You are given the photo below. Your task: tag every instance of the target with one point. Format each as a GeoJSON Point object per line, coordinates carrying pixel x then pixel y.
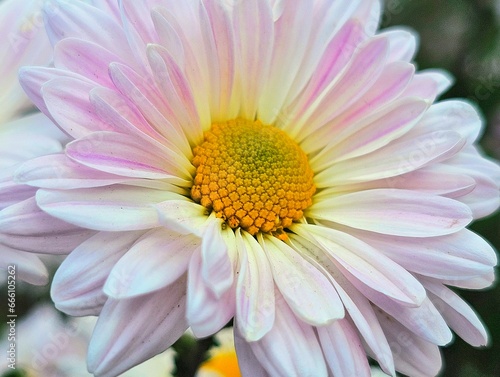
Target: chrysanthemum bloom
{"type": "Point", "coordinates": [278, 163]}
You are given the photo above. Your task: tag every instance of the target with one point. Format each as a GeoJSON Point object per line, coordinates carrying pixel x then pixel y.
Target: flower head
{"type": "Point", "coordinates": [279, 163]}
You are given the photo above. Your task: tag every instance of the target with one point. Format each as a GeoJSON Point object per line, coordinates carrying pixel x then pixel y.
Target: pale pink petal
{"type": "Point", "coordinates": [429, 84]}
{"type": "Point", "coordinates": [12, 192]}
{"type": "Point", "coordinates": [291, 347]}
{"type": "Point", "coordinates": [343, 350]}
{"type": "Point", "coordinates": [356, 305]}
{"type": "Point", "coordinates": [253, 25]}
{"type": "Point", "coordinates": [307, 290]}
{"type": "Point", "coordinates": [121, 154]}
{"type": "Point", "coordinates": [217, 269]}
{"type": "Point", "coordinates": [26, 266]}
{"type": "Point", "coordinates": [24, 226]}
{"type": "Point", "coordinates": [255, 307]}
{"type": "Point", "coordinates": [183, 216]}
{"type": "Point", "coordinates": [458, 314]}
{"type": "Point", "coordinates": [413, 356]}
{"type": "Point", "coordinates": [67, 100]}
{"type": "Point", "coordinates": [480, 282]}
{"type": "Point", "coordinates": [394, 212]}
{"type": "Point", "coordinates": [77, 285]}
{"type": "Point", "coordinates": [111, 208]}
{"type": "Point", "coordinates": [403, 43]}
{"type": "Point", "coordinates": [365, 263]}
{"type": "Point", "coordinates": [399, 157]}
{"type": "Point", "coordinates": [248, 363]}
{"type": "Point", "coordinates": [121, 341]}
{"type": "Point", "coordinates": [57, 171]}
{"type": "Point", "coordinates": [156, 260]}
{"type": "Point", "coordinates": [206, 313]}
{"type": "Point", "coordinates": [463, 253]}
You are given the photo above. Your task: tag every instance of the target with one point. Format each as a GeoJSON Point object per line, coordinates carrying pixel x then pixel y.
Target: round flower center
{"type": "Point", "coordinates": [253, 176]}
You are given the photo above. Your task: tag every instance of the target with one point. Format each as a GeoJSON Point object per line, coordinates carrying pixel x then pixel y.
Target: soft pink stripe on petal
{"type": "Point", "coordinates": [365, 263]}
{"type": "Point", "coordinates": [24, 226]}
{"type": "Point", "coordinates": [77, 285]}
{"type": "Point", "coordinates": [291, 348]}
{"type": "Point", "coordinates": [124, 155]}
{"type": "Point", "coordinates": [307, 291]}
{"type": "Point", "coordinates": [156, 260]}
{"type": "Point", "coordinates": [458, 314]}
{"type": "Point", "coordinates": [206, 313]}
{"type": "Point", "coordinates": [111, 208]}
{"type": "Point", "coordinates": [12, 193]}
{"type": "Point", "coordinates": [413, 356]}
{"type": "Point", "coordinates": [27, 267]}
{"type": "Point", "coordinates": [255, 305]}
{"type": "Point", "coordinates": [343, 349]}
{"type": "Point", "coordinates": [394, 212]}
{"type": "Point", "coordinates": [121, 341]}
{"type": "Point", "coordinates": [429, 84]}
{"type": "Point", "coordinates": [399, 157]}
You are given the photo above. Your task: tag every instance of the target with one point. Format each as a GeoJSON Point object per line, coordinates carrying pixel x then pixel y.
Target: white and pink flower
{"type": "Point", "coordinates": [279, 163]}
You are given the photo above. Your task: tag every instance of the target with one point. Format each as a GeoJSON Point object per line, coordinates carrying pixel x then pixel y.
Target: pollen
{"type": "Point", "coordinates": [253, 176]}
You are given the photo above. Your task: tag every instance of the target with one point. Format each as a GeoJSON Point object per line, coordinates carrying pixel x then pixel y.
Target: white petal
{"type": "Point", "coordinates": [156, 260]}
{"type": "Point", "coordinates": [183, 216]}
{"type": "Point", "coordinates": [249, 365]}
{"type": "Point", "coordinates": [26, 266]}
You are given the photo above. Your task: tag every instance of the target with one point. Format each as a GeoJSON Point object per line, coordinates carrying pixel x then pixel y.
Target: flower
{"type": "Point", "coordinates": [222, 360]}
{"type": "Point", "coordinates": [52, 346]}
{"type": "Point", "coordinates": [279, 163]}
{"type": "Point", "coordinates": [26, 43]}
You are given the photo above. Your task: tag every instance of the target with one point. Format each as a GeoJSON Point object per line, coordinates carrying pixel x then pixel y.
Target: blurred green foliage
{"type": "Point", "coordinates": [463, 37]}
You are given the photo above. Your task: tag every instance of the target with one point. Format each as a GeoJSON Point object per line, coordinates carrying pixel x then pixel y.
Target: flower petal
{"type": "Point", "coordinates": [394, 212]}
{"type": "Point", "coordinates": [28, 267]}
{"type": "Point", "coordinates": [309, 293]}
{"type": "Point", "coordinates": [183, 216]}
{"type": "Point", "coordinates": [156, 260]}
{"type": "Point", "coordinates": [255, 307]}
{"type": "Point", "coordinates": [77, 285]}
{"type": "Point", "coordinates": [121, 341]}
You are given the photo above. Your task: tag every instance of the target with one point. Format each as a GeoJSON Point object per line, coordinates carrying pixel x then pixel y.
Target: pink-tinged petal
{"type": "Point", "coordinates": [356, 305]}
{"type": "Point", "coordinates": [343, 350]}
{"type": "Point", "coordinates": [206, 313]}
{"type": "Point", "coordinates": [458, 314]}
{"type": "Point", "coordinates": [249, 365]}
{"type": "Point", "coordinates": [290, 45]}
{"type": "Point", "coordinates": [64, 19]}
{"type": "Point", "coordinates": [156, 260]}
{"type": "Point", "coordinates": [28, 267]}
{"type": "Point", "coordinates": [457, 115]}
{"type": "Point", "coordinates": [399, 157]}
{"type": "Point", "coordinates": [191, 116]}
{"type": "Point", "coordinates": [121, 341]}
{"type": "Point", "coordinates": [255, 305]}
{"type": "Point", "coordinates": [361, 72]}
{"type": "Point", "coordinates": [337, 54]}
{"type": "Point", "coordinates": [67, 100]}
{"type": "Point", "coordinates": [424, 320]}
{"type": "Point", "coordinates": [111, 208]}
{"type": "Point", "coordinates": [394, 212]}
{"type": "Point", "coordinates": [372, 132]}
{"type": "Point", "coordinates": [78, 282]}
{"type": "Point", "coordinates": [85, 58]}
{"type": "Point", "coordinates": [217, 268]}
{"type": "Point", "coordinates": [221, 29]}
{"type": "Point", "coordinates": [480, 282]}
{"type": "Point", "coordinates": [365, 263]}
{"type": "Point", "coordinates": [403, 43]}
{"type": "Point", "coordinates": [183, 216]}
{"type": "Point", "coordinates": [306, 289]}
{"type": "Point", "coordinates": [254, 31]}
{"type": "Point", "coordinates": [413, 355]}
{"type": "Point", "coordinates": [156, 113]}
{"type": "Point", "coordinates": [291, 347]}
{"type": "Point", "coordinates": [462, 254]}
{"type": "Point", "coordinates": [429, 84]}
{"type": "Point", "coordinates": [60, 172]}
{"type": "Point", "coordinates": [24, 226]}
{"type": "Point", "coordinates": [122, 154]}
{"type": "Point", "coordinates": [12, 192]}
{"type": "Point", "coordinates": [32, 80]}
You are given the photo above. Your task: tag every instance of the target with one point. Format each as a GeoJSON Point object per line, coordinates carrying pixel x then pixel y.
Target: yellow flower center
{"type": "Point", "coordinates": [253, 176]}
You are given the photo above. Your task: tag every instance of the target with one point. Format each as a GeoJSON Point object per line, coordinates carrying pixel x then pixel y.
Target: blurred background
{"type": "Point", "coordinates": [463, 37]}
